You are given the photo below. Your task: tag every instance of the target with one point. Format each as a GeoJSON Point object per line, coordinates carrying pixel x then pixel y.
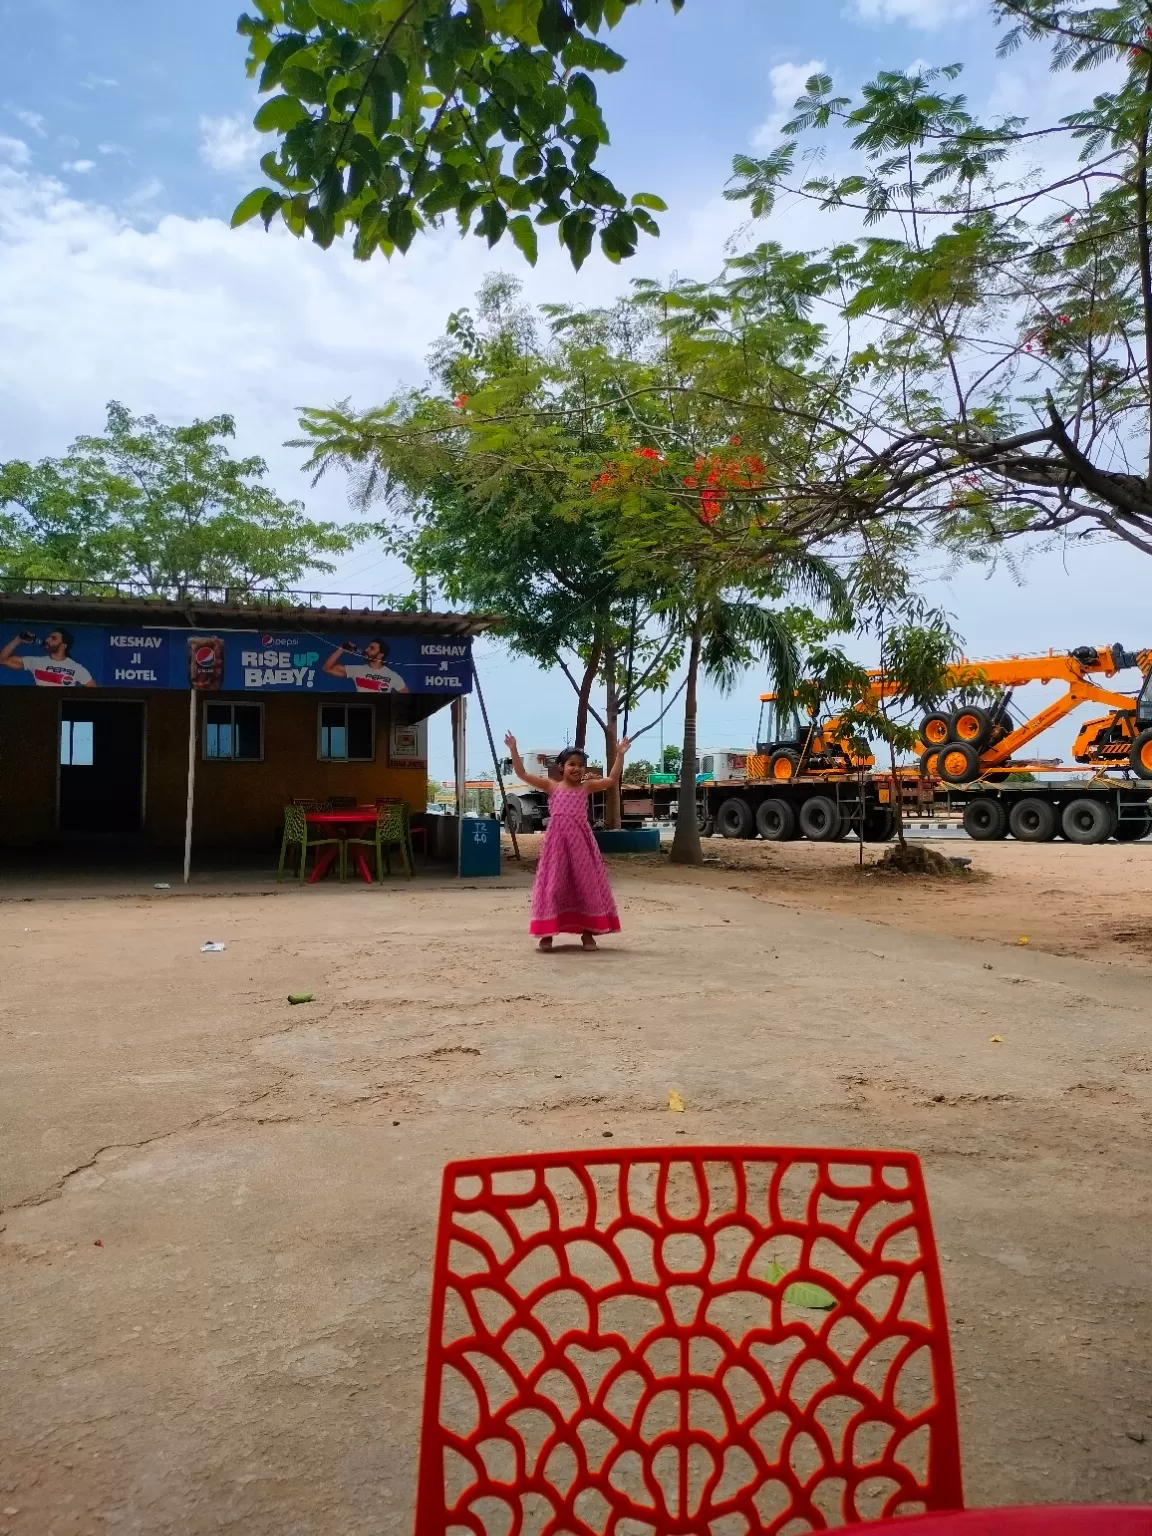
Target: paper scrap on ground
{"type": "Point", "coordinates": [995, 1040]}
{"type": "Point", "coordinates": [675, 1102]}
{"type": "Point", "coordinates": [212, 946]}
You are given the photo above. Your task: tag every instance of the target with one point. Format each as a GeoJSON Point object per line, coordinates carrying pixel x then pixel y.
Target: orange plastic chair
{"type": "Point", "coordinates": [703, 1341]}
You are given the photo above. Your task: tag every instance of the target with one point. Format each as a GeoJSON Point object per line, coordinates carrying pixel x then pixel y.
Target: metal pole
{"type": "Point", "coordinates": [495, 760]}
{"type": "Point", "coordinates": [461, 772]}
{"type": "Point", "coordinates": [191, 784]}
{"type": "Point", "coordinates": [461, 755]}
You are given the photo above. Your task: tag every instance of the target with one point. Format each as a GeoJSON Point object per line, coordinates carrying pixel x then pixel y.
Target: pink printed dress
{"type": "Point", "coordinates": [571, 893]}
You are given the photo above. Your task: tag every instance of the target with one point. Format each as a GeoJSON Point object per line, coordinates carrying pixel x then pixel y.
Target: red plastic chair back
{"type": "Point", "coordinates": [616, 1346]}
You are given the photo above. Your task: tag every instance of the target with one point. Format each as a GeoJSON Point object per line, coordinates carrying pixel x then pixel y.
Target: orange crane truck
{"type": "Point", "coordinates": [812, 781]}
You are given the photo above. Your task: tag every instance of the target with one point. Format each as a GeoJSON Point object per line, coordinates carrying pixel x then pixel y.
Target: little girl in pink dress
{"type": "Point", "coordinates": [571, 893]}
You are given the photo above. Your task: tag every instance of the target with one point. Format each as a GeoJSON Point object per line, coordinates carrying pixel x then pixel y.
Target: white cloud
{"type": "Point", "coordinates": [787, 82]}
{"type": "Point", "coordinates": [95, 82]}
{"type": "Point", "coordinates": [228, 143]}
{"type": "Point", "coordinates": [185, 317]}
{"type": "Point", "coordinates": [928, 15]}
{"type": "Point", "coordinates": [33, 120]}
{"type": "Point", "coordinates": [15, 150]}
{"type": "Point", "coordinates": [80, 167]}
{"type": "Point", "coordinates": [113, 149]}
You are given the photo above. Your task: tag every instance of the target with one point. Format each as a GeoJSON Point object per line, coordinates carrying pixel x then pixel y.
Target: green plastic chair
{"type": "Point", "coordinates": [391, 832]}
{"type": "Point", "coordinates": [296, 831]}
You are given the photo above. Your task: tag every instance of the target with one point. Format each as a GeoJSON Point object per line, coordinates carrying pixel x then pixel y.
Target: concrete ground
{"type": "Point", "coordinates": [219, 1209]}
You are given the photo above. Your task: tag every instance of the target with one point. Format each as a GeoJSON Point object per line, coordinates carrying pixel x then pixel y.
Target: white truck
{"type": "Point", "coordinates": [528, 807]}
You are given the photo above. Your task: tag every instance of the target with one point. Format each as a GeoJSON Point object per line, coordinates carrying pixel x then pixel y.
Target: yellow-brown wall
{"type": "Point", "coordinates": [238, 804]}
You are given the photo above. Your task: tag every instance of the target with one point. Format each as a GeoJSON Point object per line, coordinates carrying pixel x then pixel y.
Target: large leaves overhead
{"type": "Point", "coordinates": [392, 114]}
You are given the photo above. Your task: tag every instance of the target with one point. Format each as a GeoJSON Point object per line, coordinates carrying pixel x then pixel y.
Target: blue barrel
{"type": "Point", "coordinates": [479, 846]}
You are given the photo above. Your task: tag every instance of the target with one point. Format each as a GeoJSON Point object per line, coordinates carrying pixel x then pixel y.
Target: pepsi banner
{"type": "Point", "coordinates": [49, 655]}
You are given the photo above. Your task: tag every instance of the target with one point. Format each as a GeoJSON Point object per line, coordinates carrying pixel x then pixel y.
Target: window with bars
{"type": "Point", "coordinates": [347, 733]}
{"type": "Point", "coordinates": [234, 732]}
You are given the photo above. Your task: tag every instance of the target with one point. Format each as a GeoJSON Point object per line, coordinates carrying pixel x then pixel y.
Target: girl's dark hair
{"type": "Point", "coordinates": [568, 752]}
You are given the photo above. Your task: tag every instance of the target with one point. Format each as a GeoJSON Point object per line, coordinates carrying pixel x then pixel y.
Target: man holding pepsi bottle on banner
{"type": "Point", "coordinates": [53, 667]}
{"type": "Point", "coordinates": [371, 675]}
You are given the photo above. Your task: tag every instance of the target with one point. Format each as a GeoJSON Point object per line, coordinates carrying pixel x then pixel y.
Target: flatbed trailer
{"type": "Point", "coordinates": [828, 807]}
{"type": "Point", "coordinates": [1079, 810]}
{"type": "Point", "coordinates": [824, 808]}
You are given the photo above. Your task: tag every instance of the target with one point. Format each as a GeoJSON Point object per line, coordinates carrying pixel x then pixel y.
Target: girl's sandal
{"type": "Point", "coordinates": [545, 943]}
{"type": "Point", "coordinates": [588, 941]}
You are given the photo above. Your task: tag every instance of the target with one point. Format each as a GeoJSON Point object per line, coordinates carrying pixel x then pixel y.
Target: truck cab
{"type": "Point", "coordinates": [528, 807]}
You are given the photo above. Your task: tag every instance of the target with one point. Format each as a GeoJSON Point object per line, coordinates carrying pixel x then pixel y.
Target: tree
{"type": "Point", "coordinates": [165, 507]}
{"type": "Point", "coordinates": [999, 319]}
{"type": "Point", "coordinates": [715, 582]}
{"type": "Point", "coordinates": [392, 114]}
{"type": "Point", "coordinates": [670, 760]}
{"type": "Point", "coordinates": [485, 479]}
{"type": "Point", "coordinates": [638, 771]}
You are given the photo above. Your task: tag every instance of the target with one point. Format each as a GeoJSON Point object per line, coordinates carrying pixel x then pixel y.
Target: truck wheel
{"type": "Point", "coordinates": [820, 820]}
{"type": "Point", "coordinates": [972, 725]}
{"type": "Point", "coordinates": [936, 728]}
{"type": "Point", "coordinates": [930, 763]}
{"type": "Point", "coordinates": [879, 824]}
{"type": "Point", "coordinates": [783, 765]}
{"type": "Point", "coordinates": [1133, 828]}
{"type": "Point", "coordinates": [514, 817]}
{"type": "Point", "coordinates": [1033, 821]}
{"type": "Point", "coordinates": [734, 819]}
{"type": "Point", "coordinates": [959, 763]}
{"type": "Point", "coordinates": [1140, 757]}
{"type": "Point", "coordinates": [985, 820]}
{"type": "Point", "coordinates": [1088, 821]}
{"type": "Point", "coordinates": [705, 822]}
{"type": "Point", "coordinates": [776, 821]}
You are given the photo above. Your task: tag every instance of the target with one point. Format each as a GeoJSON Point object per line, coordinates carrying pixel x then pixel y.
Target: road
{"type": "Point", "coordinates": [219, 1209]}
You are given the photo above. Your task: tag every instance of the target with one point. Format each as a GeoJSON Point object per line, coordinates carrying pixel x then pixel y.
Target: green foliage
{"type": "Point", "coordinates": [637, 771]}
{"type": "Point", "coordinates": [392, 114]}
{"type": "Point", "coordinates": [164, 506]}
{"type": "Point", "coordinates": [998, 322]}
{"type": "Point", "coordinates": [670, 762]}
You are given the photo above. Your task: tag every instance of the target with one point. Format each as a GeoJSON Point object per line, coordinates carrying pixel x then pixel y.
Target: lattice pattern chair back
{"type": "Point", "coordinates": [391, 822]}
{"type": "Point", "coordinates": [618, 1347]}
{"type": "Point", "coordinates": [295, 826]}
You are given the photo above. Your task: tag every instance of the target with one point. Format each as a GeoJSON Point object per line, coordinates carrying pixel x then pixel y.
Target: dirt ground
{"type": "Point", "coordinates": [219, 1209]}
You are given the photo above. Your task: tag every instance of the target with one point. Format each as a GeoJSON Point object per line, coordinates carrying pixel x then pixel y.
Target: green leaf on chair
{"type": "Point", "coordinates": [801, 1293]}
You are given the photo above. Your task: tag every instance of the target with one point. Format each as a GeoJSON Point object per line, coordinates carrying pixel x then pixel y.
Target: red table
{"type": "Point", "coordinates": [1022, 1520]}
{"type": "Point", "coordinates": [354, 816]}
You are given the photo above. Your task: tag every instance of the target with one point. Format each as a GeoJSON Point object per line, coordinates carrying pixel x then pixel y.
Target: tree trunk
{"type": "Point", "coordinates": [897, 796]}
{"type": "Point", "coordinates": [686, 847]}
{"type": "Point", "coordinates": [585, 696]}
{"type": "Point", "coordinates": [611, 736]}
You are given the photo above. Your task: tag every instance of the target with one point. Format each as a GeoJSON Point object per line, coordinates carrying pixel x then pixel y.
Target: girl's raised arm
{"type": "Point", "coordinates": [521, 772]}
{"type": "Point", "coordinates": [594, 786]}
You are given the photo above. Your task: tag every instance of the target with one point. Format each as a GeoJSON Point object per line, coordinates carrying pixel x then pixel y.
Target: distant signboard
{"type": "Point", "coordinates": [48, 655]}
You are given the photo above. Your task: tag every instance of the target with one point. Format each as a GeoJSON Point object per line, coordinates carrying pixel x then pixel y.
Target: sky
{"type": "Point", "coordinates": [125, 142]}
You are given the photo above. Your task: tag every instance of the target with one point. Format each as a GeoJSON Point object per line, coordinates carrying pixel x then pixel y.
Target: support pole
{"type": "Point", "coordinates": [191, 784]}
{"type": "Point", "coordinates": [460, 759]}
{"type": "Point", "coordinates": [495, 760]}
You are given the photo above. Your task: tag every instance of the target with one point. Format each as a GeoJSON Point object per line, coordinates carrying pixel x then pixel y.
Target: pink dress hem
{"type": "Point", "coordinates": [574, 922]}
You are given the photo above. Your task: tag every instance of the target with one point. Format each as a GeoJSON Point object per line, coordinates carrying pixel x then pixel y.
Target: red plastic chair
{"type": "Point", "coordinates": [616, 1346]}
